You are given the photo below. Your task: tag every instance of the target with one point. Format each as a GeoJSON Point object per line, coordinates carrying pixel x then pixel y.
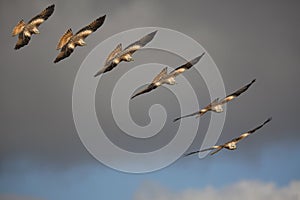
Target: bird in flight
{"type": "Point", "coordinates": [231, 145]}
{"type": "Point", "coordinates": [68, 42]}
{"type": "Point", "coordinates": [217, 105]}
{"type": "Point", "coordinates": [164, 78]}
{"type": "Point", "coordinates": [25, 31]}
{"type": "Point", "coordinates": [118, 55]}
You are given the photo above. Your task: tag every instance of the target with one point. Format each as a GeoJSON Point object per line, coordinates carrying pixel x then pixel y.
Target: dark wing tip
{"type": "Point", "coordinates": [255, 129]}
{"type": "Point", "coordinates": [152, 34]}
{"type": "Point", "coordinates": [196, 60]}
{"type": "Point", "coordinates": [101, 19]}
{"type": "Point", "coordinates": [56, 60]}
{"type": "Point", "coordinates": [17, 47]}
{"type": "Point", "coordinates": [268, 120]}
{"type": "Point", "coordinates": [149, 88]}
{"type": "Point", "coordinates": [175, 120]}
{"type": "Point", "coordinates": [97, 23]}
{"type": "Point", "coordinates": [191, 153]}
{"type": "Point", "coordinates": [51, 6]}
{"type": "Point", "coordinates": [101, 71]}
{"type": "Point", "coordinates": [47, 12]}
{"type": "Point", "coordinates": [22, 42]}
{"type": "Point", "coordinates": [137, 94]}
{"type": "Point", "coordinates": [93, 26]}
{"type": "Point", "coordinates": [50, 10]}
{"type": "Point", "coordinates": [97, 74]}
{"type": "Point", "coordinates": [146, 39]}
{"type": "Point", "coordinates": [60, 57]}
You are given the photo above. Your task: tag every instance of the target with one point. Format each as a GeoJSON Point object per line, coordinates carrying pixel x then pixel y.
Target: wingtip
{"type": "Point", "coordinates": [102, 17]}
{"type": "Point", "coordinates": [51, 7]}
{"type": "Point", "coordinates": [17, 47]}
{"type": "Point", "coordinates": [101, 71]}
{"type": "Point", "coordinates": [56, 60]}
{"type": "Point", "coordinates": [97, 74]}
{"type": "Point", "coordinates": [175, 120]}
{"type": "Point", "coordinates": [269, 119]}
{"type": "Point", "coordinates": [133, 96]}
{"type": "Point", "coordinates": [202, 55]}
{"type": "Point", "coordinates": [191, 153]}
{"type": "Point", "coordinates": [196, 60]}
{"type": "Point", "coordinates": [152, 34]}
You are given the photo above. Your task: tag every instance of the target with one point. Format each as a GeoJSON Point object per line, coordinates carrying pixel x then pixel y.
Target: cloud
{"type": "Point", "coordinates": [241, 190]}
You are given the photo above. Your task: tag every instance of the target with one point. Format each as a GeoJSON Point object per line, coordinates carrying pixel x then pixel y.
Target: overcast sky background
{"type": "Point", "coordinates": [42, 157]}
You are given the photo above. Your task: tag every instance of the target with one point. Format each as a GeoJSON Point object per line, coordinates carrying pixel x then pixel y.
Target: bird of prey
{"type": "Point", "coordinates": [68, 42]}
{"type": "Point", "coordinates": [25, 31]}
{"type": "Point", "coordinates": [118, 55]}
{"type": "Point", "coordinates": [217, 105]}
{"type": "Point", "coordinates": [164, 78]}
{"type": "Point", "coordinates": [231, 145]}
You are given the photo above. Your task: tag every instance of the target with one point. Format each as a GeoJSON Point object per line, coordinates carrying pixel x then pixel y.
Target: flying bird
{"type": "Point", "coordinates": [231, 145]}
{"type": "Point", "coordinates": [164, 78]}
{"type": "Point", "coordinates": [25, 31]}
{"type": "Point", "coordinates": [118, 55]}
{"type": "Point", "coordinates": [68, 42]}
{"type": "Point", "coordinates": [217, 105]}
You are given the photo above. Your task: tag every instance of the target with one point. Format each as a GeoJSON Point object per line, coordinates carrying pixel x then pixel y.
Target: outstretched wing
{"type": "Point", "coordinates": [237, 93]}
{"type": "Point", "coordinates": [106, 68]}
{"type": "Point", "coordinates": [18, 28]}
{"type": "Point", "coordinates": [92, 27]}
{"type": "Point", "coordinates": [65, 52]}
{"type": "Point", "coordinates": [22, 41]}
{"type": "Point", "coordinates": [185, 116]}
{"type": "Point", "coordinates": [43, 16]}
{"type": "Point", "coordinates": [146, 90]}
{"type": "Point", "coordinates": [244, 135]}
{"type": "Point", "coordinates": [64, 39]}
{"type": "Point", "coordinates": [219, 147]}
{"type": "Point", "coordinates": [113, 54]}
{"type": "Point", "coordinates": [130, 49]}
{"type": "Point", "coordinates": [160, 75]}
{"type": "Point", "coordinates": [200, 112]}
{"type": "Point", "coordinates": [216, 151]}
{"type": "Point", "coordinates": [186, 66]}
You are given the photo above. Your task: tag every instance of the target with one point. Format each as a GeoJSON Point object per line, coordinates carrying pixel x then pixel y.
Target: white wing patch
{"type": "Point", "coordinates": [85, 33]}
{"type": "Point", "coordinates": [37, 22]}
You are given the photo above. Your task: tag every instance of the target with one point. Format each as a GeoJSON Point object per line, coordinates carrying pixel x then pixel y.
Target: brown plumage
{"type": "Point", "coordinates": [153, 84]}
{"type": "Point", "coordinates": [216, 105]}
{"type": "Point", "coordinates": [118, 55]}
{"type": "Point", "coordinates": [25, 31]}
{"type": "Point", "coordinates": [164, 78]}
{"type": "Point", "coordinates": [68, 42]}
{"type": "Point", "coordinates": [231, 145]}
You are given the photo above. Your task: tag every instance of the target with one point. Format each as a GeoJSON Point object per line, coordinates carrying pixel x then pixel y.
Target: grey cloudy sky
{"type": "Point", "coordinates": [246, 40]}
